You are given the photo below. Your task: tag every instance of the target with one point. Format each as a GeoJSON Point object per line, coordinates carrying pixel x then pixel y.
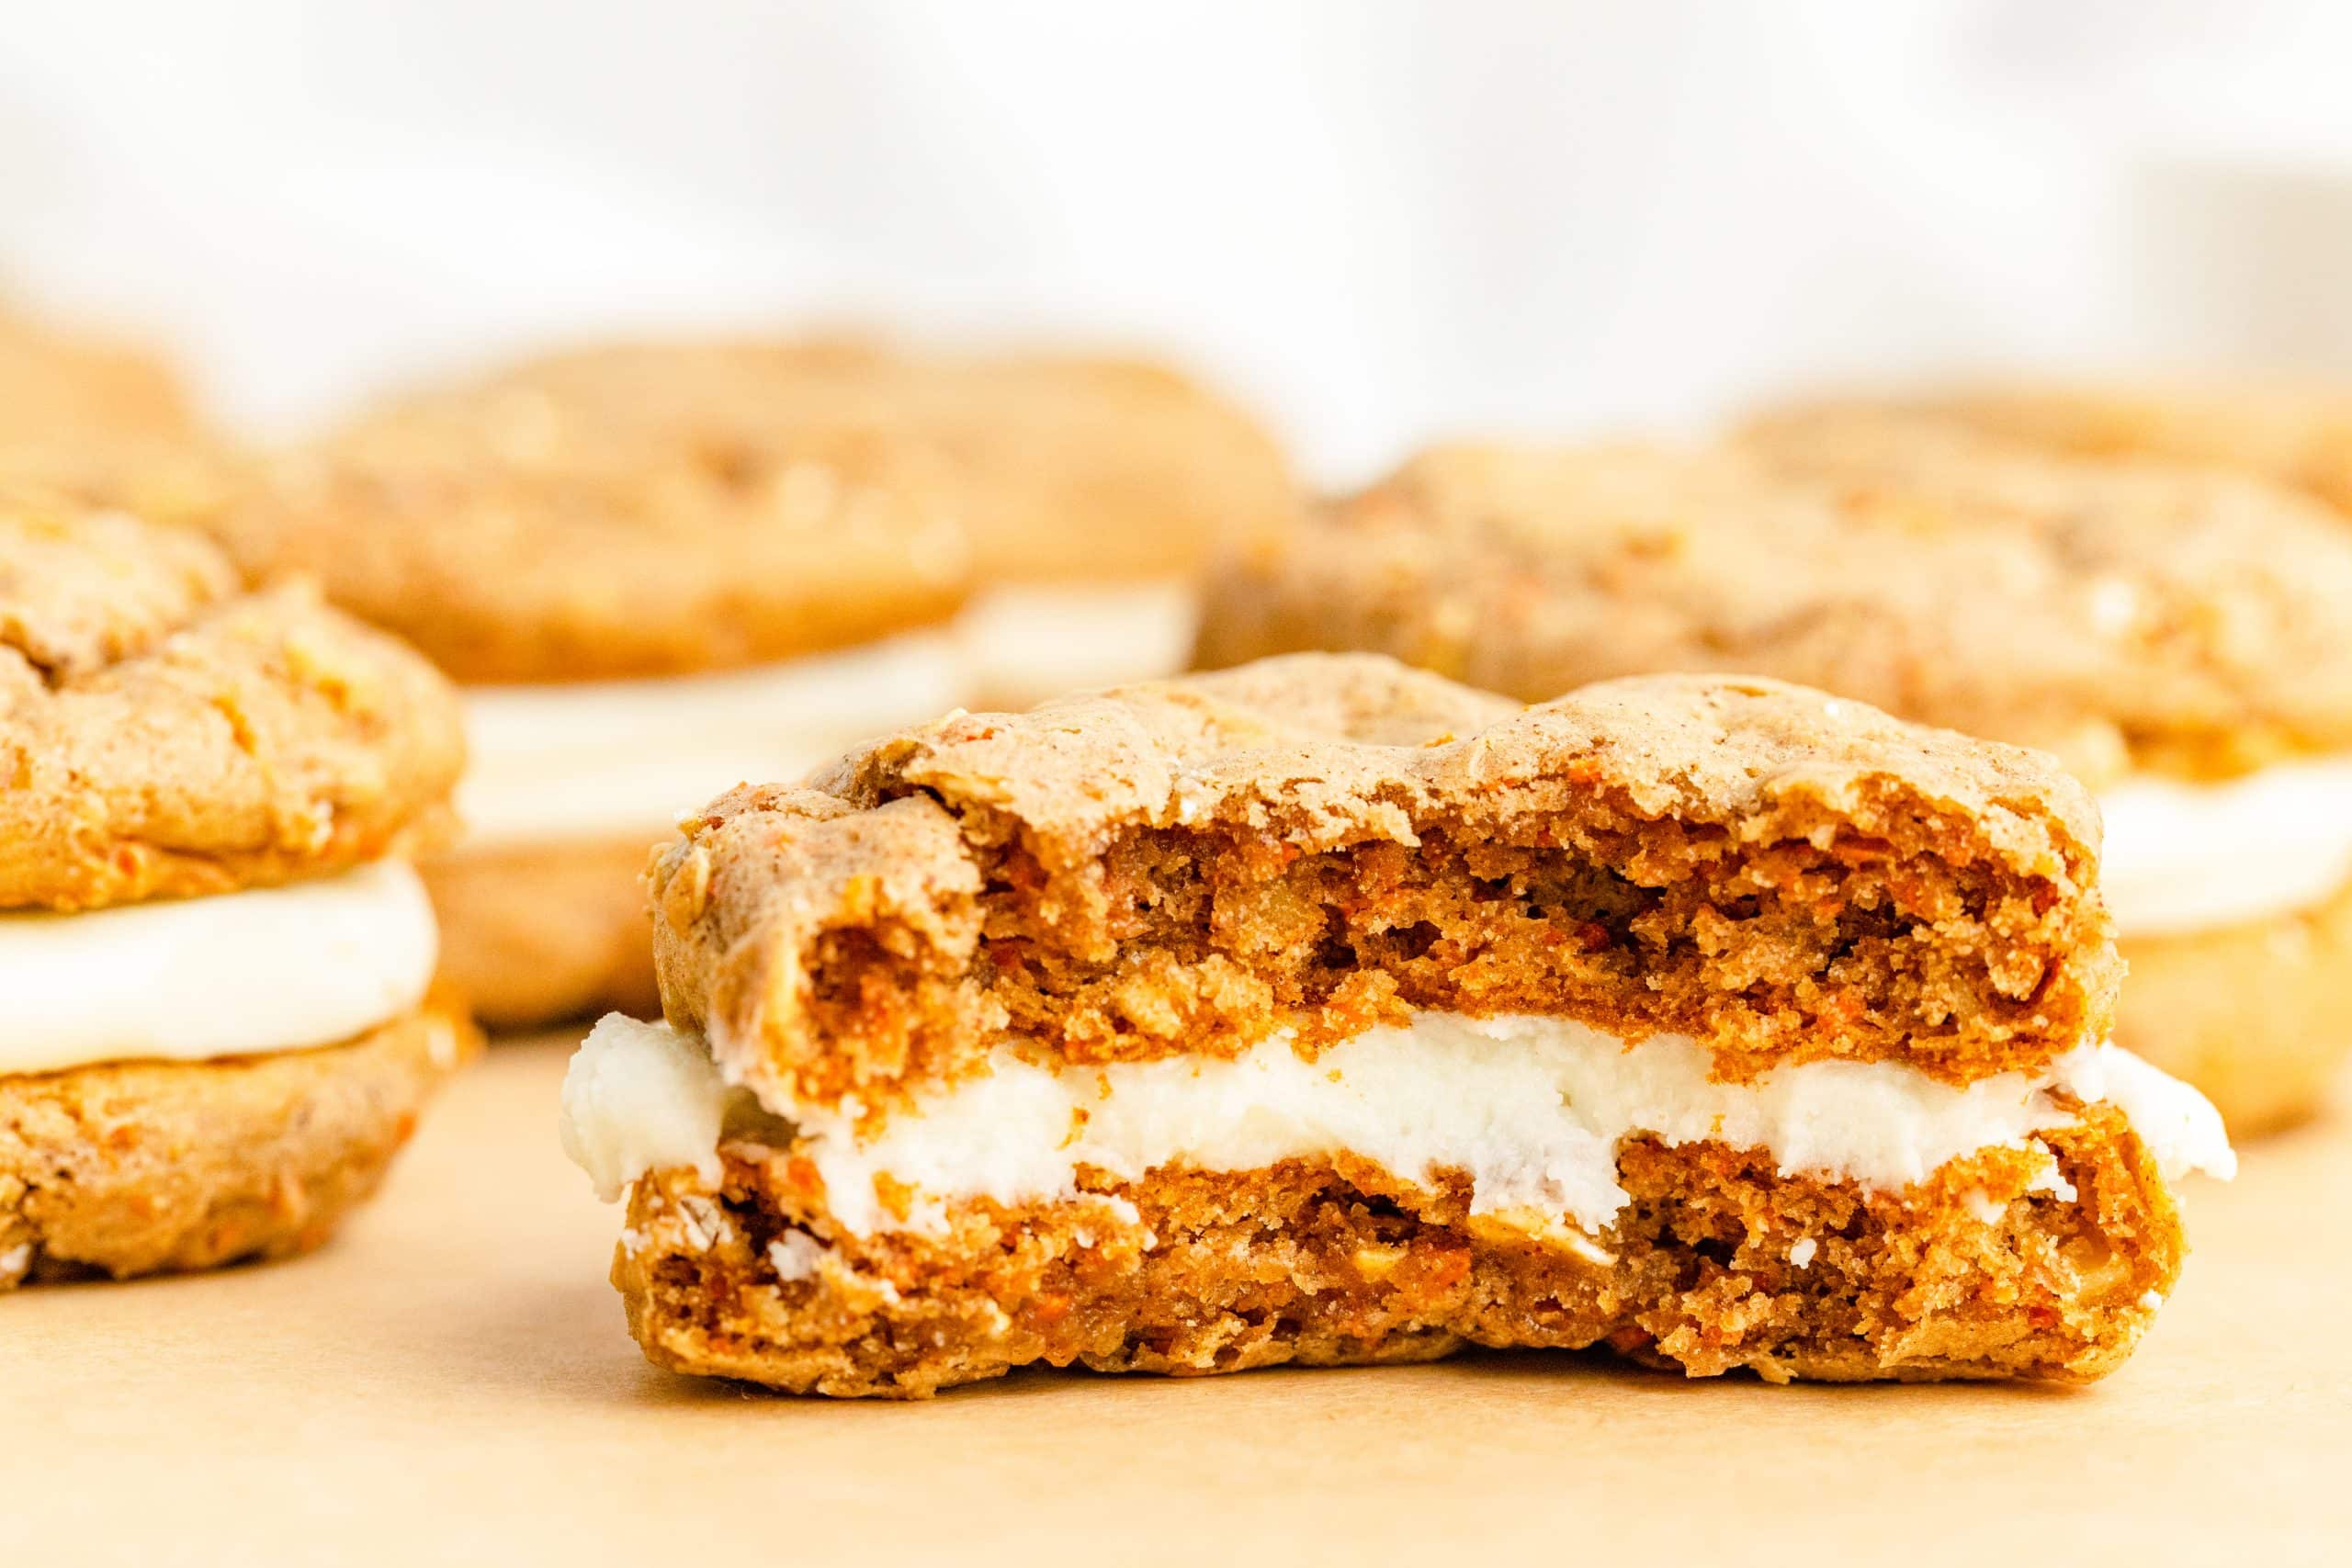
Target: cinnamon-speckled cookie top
{"type": "Point", "coordinates": [1181, 866]}
{"type": "Point", "coordinates": [164, 732]}
{"type": "Point", "coordinates": [645, 513]}
{"type": "Point", "coordinates": [2122, 615]}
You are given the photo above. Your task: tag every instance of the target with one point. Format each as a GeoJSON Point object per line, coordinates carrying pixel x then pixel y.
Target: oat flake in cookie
{"type": "Point", "coordinates": [221, 1024]}
{"type": "Point", "coordinates": [1327, 1012]}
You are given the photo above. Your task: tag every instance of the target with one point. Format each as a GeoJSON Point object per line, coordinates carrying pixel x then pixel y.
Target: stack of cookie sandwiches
{"type": "Point", "coordinates": [1325, 1010]}
{"type": "Point", "coordinates": [2180, 638]}
{"type": "Point", "coordinates": [650, 587]}
{"type": "Point", "coordinates": [219, 1026]}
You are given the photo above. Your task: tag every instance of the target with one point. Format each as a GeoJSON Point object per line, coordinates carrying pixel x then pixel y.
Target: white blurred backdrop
{"type": "Point", "coordinates": [1381, 221]}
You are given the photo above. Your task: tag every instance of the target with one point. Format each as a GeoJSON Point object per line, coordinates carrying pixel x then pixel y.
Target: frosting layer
{"type": "Point", "coordinates": [1033, 640]}
{"type": "Point", "coordinates": [1533, 1108]}
{"type": "Point", "coordinates": [2189, 857]}
{"type": "Point", "coordinates": [605, 758]}
{"type": "Point", "coordinates": [237, 974]}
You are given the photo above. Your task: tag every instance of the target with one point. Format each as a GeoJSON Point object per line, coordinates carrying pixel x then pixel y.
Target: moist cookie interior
{"type": "Point", "coordinates": [1205, 939]}
{"type": "Point", "coordinates": [1718, 1262]}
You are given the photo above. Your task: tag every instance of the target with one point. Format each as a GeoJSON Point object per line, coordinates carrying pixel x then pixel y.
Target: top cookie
{"type": "Point", "coordinates": [1319, 842]}
{"type": "Point", "coordinates": [2297, 433]}
{"type": "Point", "coordinates": [1065, 467]}
{"type": "Point", "coordinates": [647, 513]}
{"type": "Point", "coordinates": [59, 390]}
{"type": "Point", "coordinates": [2123, 614]}
{"type": "Point", "coordinates": [166, 733]}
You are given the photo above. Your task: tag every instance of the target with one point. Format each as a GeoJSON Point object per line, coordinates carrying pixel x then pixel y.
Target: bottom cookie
{"type": "Point", "coordinates": [146, 1168]}
{"type": "Point", "coordinates": [1718, 1262]}
{"type": "Point", "coordinates": [2258, 1016]}
{"type": "Point", "coordinates": [544, 933]}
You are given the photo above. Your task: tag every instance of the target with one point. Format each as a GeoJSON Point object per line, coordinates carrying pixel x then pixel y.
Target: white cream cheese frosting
{"type": "Point", "coordinates": [641, 1097]}
{"type": "Point", "coordinates": [1532, 1108]}
{"type": "Point", "coordinates": [237, 974]}
{"type": "Point", "coordinates": [2189, 857]}
{"type": "Point", "coordinates": [1033, 640]}
{"type": "Point", "coordinates": [607, 758]}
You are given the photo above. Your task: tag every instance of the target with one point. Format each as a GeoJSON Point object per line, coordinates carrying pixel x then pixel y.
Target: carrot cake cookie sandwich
{"type": "Point", "coordinates": [219, 1026]}
{"type": "Point", "coordinates": [1328, 1012]}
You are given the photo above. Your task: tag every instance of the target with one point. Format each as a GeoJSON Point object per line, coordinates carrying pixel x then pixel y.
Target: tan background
{"type": "Point", "coordinates": [451, 1382]}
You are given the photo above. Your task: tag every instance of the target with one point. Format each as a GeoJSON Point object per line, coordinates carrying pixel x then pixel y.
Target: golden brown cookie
{"type": "Point", "coordinates": [1075, 835]}
{"type": "Point", "coordinates": [1096, 491]}
{"type": "Point", "coordinates": [1323, 1011]}
{"type": "Point", "coordinates": [167, 733]}
{"type": "Point", "coordinates": [2122, 615]}
{"type": "Point", "coordinates": [2160, 628]}
{"type": "Point", "coordinates": [146, 1168]}
{"type": "Point", "coordinates": [219, 1029]}
{"type": "Point", "coordinates": [1065, 467]}
{"type": "Point", "coordinates": [1093, 490]}
{"type": "Point", "coordinates": [655, 519]}
{"type": "Point", "coordinates": [1318, 1265]}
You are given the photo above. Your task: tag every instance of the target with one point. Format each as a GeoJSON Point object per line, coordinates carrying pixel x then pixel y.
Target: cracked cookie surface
{"type": "Point", "coordinates": [167, 733]}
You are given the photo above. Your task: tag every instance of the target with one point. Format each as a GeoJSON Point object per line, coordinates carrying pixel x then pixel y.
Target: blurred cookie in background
{"type": "Point", "coordinates": [651, 587]}
{"type": "Point", "coordinates": [106, 422]}
{"type": "Point", "coordinates": [62, 387]}
{"type": "Point", "coordinates": [1095, 490]}
{"type": "Point", "coordinates": [2181, 638]}
{"type": "Point", "coordinates": [2298, 432]}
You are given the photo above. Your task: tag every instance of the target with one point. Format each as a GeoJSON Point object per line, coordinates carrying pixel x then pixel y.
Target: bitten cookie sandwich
{"type": "Point", "coordinates": [1094, 490]}
{"type": "Point", "coordinates": [1328, 1012]}
{"type": "Point", "coordinates": [2181, 638]}
{"type": "Point", "coordinates": [219, 1028]}
{"type": "Point", "coordinates": [650, 587]}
